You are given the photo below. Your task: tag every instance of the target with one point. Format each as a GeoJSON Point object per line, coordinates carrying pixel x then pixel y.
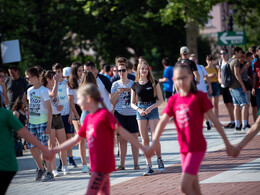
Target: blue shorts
{"type": "Point", "coordinates": [69, 129]}
{"type": "Point", "coordinates": [215, 89]}
{"type": "Point", "coordinates": [239, 97]}
{"type": "Point", "coordinates": [154, 114]}
{"type": "Point", "coordinates": [83, 116]}
{"type": "Point", "coordinates": [39, 132]}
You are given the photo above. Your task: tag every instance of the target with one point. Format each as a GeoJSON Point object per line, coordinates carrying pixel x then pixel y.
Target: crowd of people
{"type": "Point", "coordinates": [69, 105]}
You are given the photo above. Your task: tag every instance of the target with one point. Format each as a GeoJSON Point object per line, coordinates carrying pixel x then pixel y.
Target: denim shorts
{"type": "Point", "coordinates": [39, 132]}
{"type": "Point", "coordinates": [154, 114]}
{"type": "Point", "coordinates": [215, 89]}
{"type": "Point", "coordinates": [239, 97]}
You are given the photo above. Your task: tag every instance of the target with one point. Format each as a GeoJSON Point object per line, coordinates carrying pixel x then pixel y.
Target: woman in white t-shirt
{"type": "Point", "coordinates": [121, 96]}
{"type": "Point", "coordinates": [73, 85]}
{"type": "Point", "coordinates": [49, 80]}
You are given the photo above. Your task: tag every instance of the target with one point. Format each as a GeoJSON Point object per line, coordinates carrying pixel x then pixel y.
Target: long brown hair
{"type": "Point", "coordinates": [73, 78]}
{"type": "Point", "coordinates": [88, 77]}
{"type": "Point", "coordinates": [149, 76]}
{"type": "Point", "coordinates": [46, 75]}
{"type": "Point", "coordinates": [92, 91]}
{"type": "Point", "coordinates": [193, 87]}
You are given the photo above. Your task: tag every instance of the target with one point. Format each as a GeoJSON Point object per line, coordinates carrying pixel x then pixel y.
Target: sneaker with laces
{"type": "Point", "coordinates": [40, 174]}
{"type": "Point", "coordinates": [65, 170]}
{"type": "Point", "coordinates": [160, 165]}
{"type": "Point", "coordinates": [48, 177]}
{"type": "Point", "coordinates": [148, 171]}
{"type": "Point", "coordinates": [72, 162]}
{"type": "Point", "coordinates": [85, 169]}
{"type": "Point", "coordinates": [55, 173]}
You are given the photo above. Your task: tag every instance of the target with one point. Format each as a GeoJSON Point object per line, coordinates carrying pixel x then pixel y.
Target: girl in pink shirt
{"type": "Point", "coordinates": [187, 109]}
{"type": "Point", "coordinates": [98, 128]}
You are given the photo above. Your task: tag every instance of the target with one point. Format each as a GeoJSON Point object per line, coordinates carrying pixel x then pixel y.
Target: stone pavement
{"type": "Point", "coordinates": [219, 174]}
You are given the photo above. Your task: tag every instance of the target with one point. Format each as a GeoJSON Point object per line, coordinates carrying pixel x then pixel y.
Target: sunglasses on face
{"type": "Point", "coordinates": [223, 53]}
{"type": "Point", "coordinates": [123, 70]}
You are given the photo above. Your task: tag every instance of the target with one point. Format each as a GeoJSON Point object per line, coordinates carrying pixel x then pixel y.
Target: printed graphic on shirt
{"type": "Point", "coordinates": [182, 116]}
{"type": "Point", "coordinates": [90, 132]}
{"type": "Point", "coordinates": [35, 104]}
{"type": "Point", "coordinates": [125, 100]}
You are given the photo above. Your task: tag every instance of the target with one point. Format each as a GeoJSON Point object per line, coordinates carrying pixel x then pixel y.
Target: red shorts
{"type": "Point", "coordinates": [190, 162]}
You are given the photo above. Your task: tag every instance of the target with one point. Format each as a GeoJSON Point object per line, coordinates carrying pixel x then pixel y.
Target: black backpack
{"type": "Point", "coordinates": [227, 76]}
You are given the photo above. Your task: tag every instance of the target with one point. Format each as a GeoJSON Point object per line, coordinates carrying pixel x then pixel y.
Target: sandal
{"type": "Point", "coordinates": [120, 168]}
{"type": "Point", "coordinates": [136, 167]}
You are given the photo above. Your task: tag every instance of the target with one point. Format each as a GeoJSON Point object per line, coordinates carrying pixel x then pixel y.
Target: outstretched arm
{"type": "Point", "coordinates": [230, 149]}
{"type": "Point", "coordinates": [68, 144]}
{"type": "Point", "coordinates": [24, 133]}
{"type": "Point", "coordinates": [249, 136]}
{"type": "Point", "coordinates": [127, 136]}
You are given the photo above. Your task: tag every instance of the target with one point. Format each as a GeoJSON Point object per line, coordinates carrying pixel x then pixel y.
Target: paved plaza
{"type": "Point", "coordinates": [219, 174]}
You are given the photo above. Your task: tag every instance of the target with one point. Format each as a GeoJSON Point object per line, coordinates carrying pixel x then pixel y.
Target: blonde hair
{"type": "Point", "coordinates": [91, 90]}
{"type": "Point", "coordinates": [149, 76]}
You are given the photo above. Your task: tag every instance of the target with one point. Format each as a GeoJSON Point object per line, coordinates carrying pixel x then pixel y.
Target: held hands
{"type": "Point", "coordinates": [149, 151]}
{"type": "Point", "coordinates": [48, 154]}
{"type": "Point", "coordinates": [48, 130]}
{"type": "Point", "coordinates": [233, 151]}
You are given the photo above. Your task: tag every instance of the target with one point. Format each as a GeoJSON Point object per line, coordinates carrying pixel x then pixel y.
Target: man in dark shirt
{"type": "Point", "coordinates": [15, 85]}
{"type": "Point", "coordinates": [185, 54]}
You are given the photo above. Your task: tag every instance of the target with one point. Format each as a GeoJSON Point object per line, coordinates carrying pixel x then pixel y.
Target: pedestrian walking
{"type": "Point", "coordinates": [75, 114]}
{"type": "Point", "coordinates": [238, 91]}
{"type": "Point", "coordinates": [167, 78]}
{"type": "Point", "coordinates": [40, 119]}
{"type": "Point", "coordinates": [63, 95]}
{"type": "Point", "coordinates": [187, 109]}
{"type": "Point", "coordinates": [148, 93]}
{"type": "Point", "coordinates": [227, 98]}
{"type": "Point", "coordinates": [49, 80]}
{"type": "Point", "coordinates": [15, 85]}
{"type": "Point", "coordinates": [98, 128]}
{"type": "Point", "coordinates": [120, 98]}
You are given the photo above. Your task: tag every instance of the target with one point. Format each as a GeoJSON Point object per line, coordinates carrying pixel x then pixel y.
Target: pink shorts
{"type": "Point", "coordinates": [190, 162]}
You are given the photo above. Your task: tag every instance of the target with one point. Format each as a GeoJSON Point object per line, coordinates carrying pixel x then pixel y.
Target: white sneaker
{"type": "Point", "coordinates": [85, 169]}
{"type": "Point", "coordinates": [65, 170]}
{"type": "Point", "coordinates": [55, 173]}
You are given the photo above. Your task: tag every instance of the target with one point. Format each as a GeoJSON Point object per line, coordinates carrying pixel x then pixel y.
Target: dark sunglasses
{"type": "Point", "coordinates": [123, 70]}
{"type": "Point", "coordinates": [223, 53]}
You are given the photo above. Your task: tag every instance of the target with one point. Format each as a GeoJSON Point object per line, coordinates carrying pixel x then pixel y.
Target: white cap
{"type": "Point", "coordinates": [184, 50]}
{"type": "Point", "coordinates": [66, 71]}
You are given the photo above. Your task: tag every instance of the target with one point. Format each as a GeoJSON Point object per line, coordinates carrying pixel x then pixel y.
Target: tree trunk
{"type": "Point", "coordinates": [192, 31]}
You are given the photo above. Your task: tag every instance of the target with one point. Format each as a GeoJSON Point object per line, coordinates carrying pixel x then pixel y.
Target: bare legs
{"type": "Point", "coordinates": [123, 150]}
{"type": "Point", "coordinates": [190, 184]}
{"type": "Point", "coordinates": [82, 145]}
{"type": "Point", "coordinates": [143, 128]}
